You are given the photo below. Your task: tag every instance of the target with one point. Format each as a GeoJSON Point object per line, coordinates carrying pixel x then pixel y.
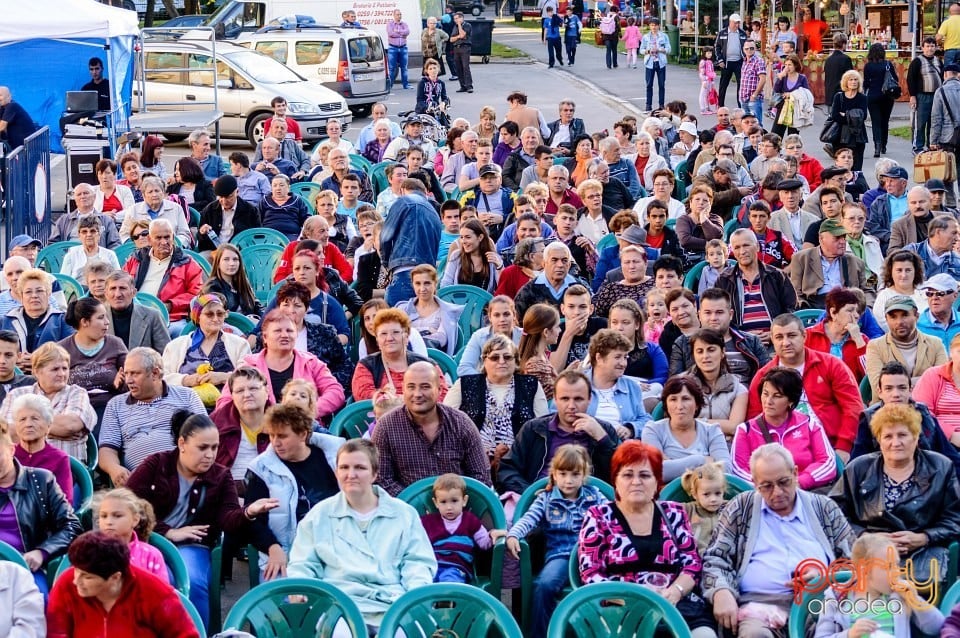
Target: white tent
{"type": "Point", "coordinates": [45, 46]}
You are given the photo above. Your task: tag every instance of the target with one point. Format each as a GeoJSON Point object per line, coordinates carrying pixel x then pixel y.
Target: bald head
{"type": "Point", "coordinates": [421, 390]}
{"type": "Point", "coordinates": [4, 96]}
{"type": "Point", "coordinates": [955, 9]}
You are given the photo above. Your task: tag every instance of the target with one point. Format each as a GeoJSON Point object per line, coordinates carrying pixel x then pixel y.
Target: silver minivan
{"type": "Point", "coordinates": [246, 82]}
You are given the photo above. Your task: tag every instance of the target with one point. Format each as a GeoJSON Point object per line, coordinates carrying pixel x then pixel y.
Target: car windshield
{"type": "Point", "coordinates": [263, 68]}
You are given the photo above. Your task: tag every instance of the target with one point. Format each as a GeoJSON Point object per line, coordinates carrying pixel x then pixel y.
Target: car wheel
{"type": "Point", "coordinates": [361, 110]}
{"type": "Point", "coordinates": [257, 128]}
{"type": "Point", "coordinates": [476, 11]}
{"type": "Point", "coordinates": [174, 138]}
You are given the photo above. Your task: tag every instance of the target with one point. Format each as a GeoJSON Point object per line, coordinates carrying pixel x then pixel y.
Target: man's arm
{"type": "Point", "coordinates": [386, 474]}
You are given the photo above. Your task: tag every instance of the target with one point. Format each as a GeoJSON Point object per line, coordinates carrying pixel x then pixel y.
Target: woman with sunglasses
{"type": "Point", "coordinates": [140, 234]}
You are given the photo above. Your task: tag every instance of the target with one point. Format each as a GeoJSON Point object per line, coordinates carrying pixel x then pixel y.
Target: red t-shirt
{"type": "Point", "coordinates": [331, 257]}
{"type": "Point", "coordinates": [111, 203]}
{"type": "Point", "coordinates": [655, 241]}
{"type": "Point", "coordinates": [293, 129]}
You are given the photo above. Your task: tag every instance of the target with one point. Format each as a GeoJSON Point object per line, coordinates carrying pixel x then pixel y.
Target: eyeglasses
{"type": "Point", "coordinates": [782, 483]}
{"type": "Point", "coordinates": [143, 234]}
{"type": "Point", "coordinates": [497, 357]}
{"type": "Point", "coordinates": [937, 293]}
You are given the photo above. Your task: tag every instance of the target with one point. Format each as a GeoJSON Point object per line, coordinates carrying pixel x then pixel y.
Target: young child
{"type": "Point", "coordinates": [716, 261]}
{"type": "Point", "coordinates": [882, 612]}
{"type": "Point", "coordinates": [467, 212]}
{"type": "Point", "coordinates": [657, 317]}
{"type": "Point", "coordinates": [124, 515]}
{"type": "Point", "coordinates": [631, 41]}
{"type": "Point", "coordinates": [303, 394]}
{"type": "Point", "coordinates": [707, 76]}
{"type": "Point", "coordinates": [706, 485]}
{"type": "Point", "coordinates": [455, 534]}
{"type": "Point", "coordinates": [557, 511]}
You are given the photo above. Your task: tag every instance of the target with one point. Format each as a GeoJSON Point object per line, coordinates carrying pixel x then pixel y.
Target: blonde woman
{"type": "Point", "coordinates": [850, 110]}
{"type": "Point", "coordinates": [487, 127]}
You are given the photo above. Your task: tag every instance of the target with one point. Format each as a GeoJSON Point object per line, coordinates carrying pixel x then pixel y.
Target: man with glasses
{"type": "Point", "coordinates": [763, 535]}
{"type": "Point", "coordinates": [565, 129]}
{"type": "Point", "coordinates": [940, 319]}
{"type": "Point", "coordinates": [769, 151]}
{"type": "Point", "coordinates": [65, 228]}
{"type": "Point", "coordinates": [938, 191]}
{"type": "Point", "coordinates": [753, 77]}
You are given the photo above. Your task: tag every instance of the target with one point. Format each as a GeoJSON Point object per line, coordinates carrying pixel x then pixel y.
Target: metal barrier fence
{"type": "Point", "coordinates": [26, 189]}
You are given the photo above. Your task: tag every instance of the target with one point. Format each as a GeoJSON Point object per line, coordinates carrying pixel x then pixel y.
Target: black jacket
{"type": "Point", "coordinates": [720, 47]}
{"type": "Point", "coordinates": [202, 194]}
{"type": "Point", "coordinates": [778, 293]}
{"type": "Point", "coordinates": [577, 127]}
{"type": "Point", "coordinates": [616, 195]}
{"type": "Point", "coordinates": [45, 518]}
{"type": "Point", "coordinates": [234, 301]}
{"type": "Point", "coordinates": [245, 216]}
{"type": "Point", "coordinates": [513, 169]}
{"type": "Point", "coordinates": [834, 67]}
{"type": "Point", "coordinates": [671, 243]}
{"type": "Point", "coordinates": [368, 273]}
{"type": "Point", "coordinates": [527, 459]}
{"type": "Point", "coordinates": [374, 363]}
{"type": "Point", "coordinates": [749, 345]}
{"type": "Point", "coordinates": [473, 389]}
{"type": "Point", "coordinates": [341, 291]}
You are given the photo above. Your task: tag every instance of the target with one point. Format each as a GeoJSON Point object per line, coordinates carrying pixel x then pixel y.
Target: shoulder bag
{"type": "Point", "coordinates": [891, 83]}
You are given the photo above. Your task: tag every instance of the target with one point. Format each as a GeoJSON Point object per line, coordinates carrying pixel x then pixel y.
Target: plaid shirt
{"type": "Point", "coordinates": [71, 400]}
{"type": "Point", "coordinates": [753, 69]}
{"type": "Point", "coordinates": [406, 456]}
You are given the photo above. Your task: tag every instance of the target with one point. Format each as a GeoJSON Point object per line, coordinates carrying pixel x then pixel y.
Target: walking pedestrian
{"type": "Point", "coordinates": [397, 33]}
{"type": "Point", "coordinates": [879, 103]}
{"type": "Point", "coordinates": [550, 33]}
{"type": "Point", "coordinates": [572, 27]}
{"type": "Point", "coordinates": [728, 51]}
{"type": "Point", "coordinates": [836, 64]}
{"type": "Point", "coordinates": [655, 47]}
{"type": "Point", "coordinates": [753, 77]}
{"type": "Point", "coordinates": [460, 41]}
{"type": "Point", "coordinates": [850, 109]}
{"type": "Point", "coordinates": [610, 30]}
{"type": "Point", "coordinates": [923, 80]}
{"type": "Point", "coordinates": [631, 41]}
{"type": "Point", "coordinates": [945, 118]}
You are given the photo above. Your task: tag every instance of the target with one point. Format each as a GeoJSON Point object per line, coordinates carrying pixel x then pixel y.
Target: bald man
{"type": "Point", "coordinates": [15, 124]}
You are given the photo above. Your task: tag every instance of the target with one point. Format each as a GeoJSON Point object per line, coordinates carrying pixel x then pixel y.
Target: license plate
{"type": "Point", "coordinates": [362, 78]}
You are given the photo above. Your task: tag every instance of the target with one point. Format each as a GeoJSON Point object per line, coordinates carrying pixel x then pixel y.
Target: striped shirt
{"type": "Point", "coordinates": [72, 399]}
{"type": "Point", "coordinates": [137, 429]}
{"type": "Point", "coordinates": [756, 317]}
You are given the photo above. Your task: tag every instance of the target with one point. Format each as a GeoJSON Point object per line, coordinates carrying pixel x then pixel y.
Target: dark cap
{"type": "Point", "coordinates": [936, 186]}
{"type": "Point", "coordinates": [898, 172]}
{"type": "Point", "coordinates": [832, 227]}
{"type": "Point", "coordinates": [413, 119]}
{"type": "Point", "coordinates": [833, 171]}
{"type": "Point", "coordinates": [726, 165]}
{"type": "Point", "coordinates": [951, 68]}
{"type": "Point", "coordinates": [489, 169]}
{"type": "Point", "coordinates": [225, 185]}
{"type": "Point", "coordinates": [789, 185]}
{"type": "Point", "coordinates": [657, 21]}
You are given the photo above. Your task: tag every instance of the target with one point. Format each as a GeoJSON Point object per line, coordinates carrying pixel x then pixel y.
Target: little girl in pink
{"type": "Point", "coordinates": [707, 76]}
{"type": "Point", "coordinates": [631, 41]}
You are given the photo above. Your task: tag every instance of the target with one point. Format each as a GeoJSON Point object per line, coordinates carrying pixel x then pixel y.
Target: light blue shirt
{"type": "Point", "coordinates": [662, 44]}
{"type": "Point", "coordinates": [557, 294]}
{"type": "Point", "coordinates": [898, 207]}
{"type": "Point", "coordinates": [470, 360]}
{"type": "Point", "coordinates": [927, 325]}
{"type": "Point", "coordinates": [832, 275]}
{"type": "Point", "coordinates": [782, 542]}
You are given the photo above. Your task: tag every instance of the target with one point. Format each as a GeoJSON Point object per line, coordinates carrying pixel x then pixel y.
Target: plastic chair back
{"type": "Point", "coordinates": [800, 614]}
{"type": "Point", "coordinates": [147, 299]}
{"type": "Point", "coordinates": [307, 191]}
{"type": "Point", "coordinates": [72, 289]}
{"type": "Point", "coordinates": [692, 279]}
{"type": "Point", "coordinates": [459, 609]}
{"type": "Point", "coordinates": [82, 486]}
{"type": "Point", "coordinates": [950, 599]}
{"type": "Point", "coordinates": [200, 260]}
{"type": "Point", "coordinates": [866, 391]}
{"type": "Point", "coordinates": [573, 570]}
{"type": "Point", "coordinates": [123, 251]}
{"type": "Point", "coordinates": [354, 420]}
{"type": "Point", "coordinates": [8, 553]}
{"type": "Point", "coordinates": [266, 611]}
{"type": "Point", "coordinates": [259, 236]}
{"type": "Point", "coordinates": [179, 576]}
{"type": "Point", "coordinates": [610, 239]}
{"type": "Point", "coordinates": [673, 491]}
{"type": "Point", "coordinates": [241, 322]}
{"type": "Point", "coordinates": [194, 215]}
{"type": "Point", "coordinates": [194, 615]}
{"type": "Point", "coordinates": [473, 300]}
{"type": "Point", "coordinates": [446, 363]}
{"type": "Point", "coordinates": [261, 261]}
{"type": "Point", "coordinates": [51, 257]}
{"type": "Point", "coordinates": [360, 163]}
{"type": "Point", "coordinates": [616, 610]}
{"type": "Point", "coordinates": [658, 411]}
{"type": "Point", "coordinates": [809, 316]}
{"type": "Point", "coordinates": [93, 453]}
{"type": "Point", "coordinates": [378, 178]}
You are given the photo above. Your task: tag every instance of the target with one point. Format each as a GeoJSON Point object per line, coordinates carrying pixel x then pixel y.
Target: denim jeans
{"type": "Point", "coordinates": [400, 288]}
{"type": "Point", "coordinates": [922, 132]}
{"type": "Point", "coordinates": [951, 56]}
{"type": "Point", "coordinates": [397, 59]}
{"type": "Point", "coordinates": [755, 108]}
{"type": "Point", "coordinates": [661, 74]}
{"type": "Point", "coordinates": [197, 560]}
{"type": "Point", "coordinates": [450, 574]}
{"type": "Point", "coordinates": [546, 588]}
{"type": "Point", "coordinates": [611, 52]}
{"type": "Point", "coordinates": [571, 45]}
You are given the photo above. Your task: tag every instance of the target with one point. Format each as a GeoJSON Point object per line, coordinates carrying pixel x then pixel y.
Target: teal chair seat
{"type": "Point", "coordinates": [149, 300]}
{"type": "Point", "coordinates": [616, 610]}
{"type": "Point", "coordinates": [446, 363]}
{"type": "Point", "coordinates": [8, 553]}
{"type": "Point", "coordinates": [51, 257]}
{"type": "Point", "coordinates": [473, 300]}
{"type": "Point", "coordinates": [353, 421]}
{"type": "Point", "coordinates": [673, 491]}
{"type": "Point", "coordinates": [448, 610]}
{"type": "Point", "coordinates": [82, 487]}
{"type": "Point", "coordinates": [809, 316]}
{"type": "Point", "coordinates": [692, 279]}
{"type": "Point", "coordinates": [200, 260]}
{"type": "Point", "coordinates": [258, 236]}
{"type": "Point", "coordinates": [261, 262]}
{"type": "Point", "coordinates": [72, 289]}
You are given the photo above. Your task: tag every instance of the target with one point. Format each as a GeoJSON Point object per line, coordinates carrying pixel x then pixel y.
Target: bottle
{"type": "Point", "coordinates": [213, 237]}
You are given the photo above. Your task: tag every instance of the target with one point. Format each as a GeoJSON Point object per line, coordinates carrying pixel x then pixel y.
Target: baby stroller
{"type": "Point", "coordinates": [435, 122]}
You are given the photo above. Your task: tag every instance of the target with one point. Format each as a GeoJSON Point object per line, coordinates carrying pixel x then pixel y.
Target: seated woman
{"type": "Point", "coordinates": [194, 498]}
{"type": "Point", "coordinates": [908, 493]}
{"type": "Point", "coordinates": [32, 418]}
{"type": "Point", "coordinates": [435, 319]}
{"type": "Point", "coordinates": [139, 233]}
{"type": "Point", "coordinates": [684, 440]}
{"type": "Point", "coordinates": [88, 229]}
{"type": "Point", "coordinates": [21, 602]}
{"type": "Point", "coordinates": [94, 278]}
{"type": "Point", "coordinates": [329, 279]}
{"type": "Point", "coordinates": [103, 594]}
{"type": "Point", "coordinates": [111, 198]}
{"type": "Point", "coordinates": [190, 183]}
{"type": "Point", "coordinates": [342, 229]}
{"type": "Point", "coordinates": [363, 541]}
{"type": "Point", "coordinates": [499, 400]}
{"type": "Point", "coordinates": [939, 390]}
{"type": "Point", "coordinates": [297, 470]}
{"type": "Point", "coordinates": [36, 519]}
{"type": "Point", "coordinates": [646, 362]}
{"type": "Point", "coordinates": [638, 539]}
{"type": "Point", "coordinates": [385, 369]}
{"type": "Point", "coordinates": [36, 321]}
{"type": "Point", "coordinates": [725, 398]}
{"type": "Point", "coordinates": [501, 317]}
{"type": "Point", "coordinates": [376, 147]}
{"type": "Point", "coordinates": [281, 210]}
{"type": "Point", "coordinates": [74, 417]}
{"type": "Point", "coordinates": [368, 340]}
{"type": "Point", "coordinates": [780, 422]}
{"type": "Point", "coordinates": [634, 285]}
{"type": "Point", "coordinates": [280, 361]}
{"type": "Point", "coordinates": [541, 330]}
{"type": "Point", "coordinates": [228, 277]}
{"type": "Point", "coordinates": [96, 357]}
{"type": "Point", "coordinates": [527, 264]}
{"type": "Point", "coordinates": [476, 262]}
{"type": "Point", "coordinates": [614, 398]}
{"type": "Point", "coordinates": [838, 333]}
{"type": "Point", "coordinates": [239, 418]}
{"type": "Point", "coordinates": [122, 514]}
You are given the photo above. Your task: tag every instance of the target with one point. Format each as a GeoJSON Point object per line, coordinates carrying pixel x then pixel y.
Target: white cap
{"type": "Point", "coordinates": [735, 17]}
{"type": "Point", "coordinates": [688, 127]}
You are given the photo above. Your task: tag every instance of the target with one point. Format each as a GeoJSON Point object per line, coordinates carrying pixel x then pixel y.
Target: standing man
{"type": "Point", "coordinates": [410, 236]}
{"type": "Point", "coordinates": [550, 33]}
{"type": "Point", "coordinates": [15, 124]}
{"type": "Point", "coordinates": [753, 77]}
{"type": "Point", "coordinates": [397, 33]}
{"type": "Point", "coordinates": [923, 80]}
{"type": "Point", "coordinates": [655, 47]}
{"type": "Point", "coordinates": [571, 33]}
{"type": "Point", "coordinates": [98, 83]}
{"type": "Point", "coordinates": [945, 115]}
{"type": "Point", "coordinates": [461, 45]}
{"type": "Point", "coordinates": [728, 52]}
{"type": "Point", "coordinates": [279, 105]}
{"type": "Point", "coordinates": [836, 65]}
{"type": "Point", "coordinates": [948, 35]}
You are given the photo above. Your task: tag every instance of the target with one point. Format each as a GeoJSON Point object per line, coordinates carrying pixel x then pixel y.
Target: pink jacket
{"type": "Point", "coordinates": [631, 37]}
{"type": "Point", "coordinates": [930, 390]}
{"type": "Point", "coordinates": [806, 440]}
{"type": "Point", "coordinates": [149, 559]}
{"type": "Point", "coordinates": [330, 396]}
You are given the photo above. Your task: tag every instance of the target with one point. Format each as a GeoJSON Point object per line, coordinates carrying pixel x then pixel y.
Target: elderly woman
{"type": "Point", "coordinates": [194, 498]}
{"type": "Point", "coordinates": [614, 398]}
{"type": "Point", "coordinates": [102, 593]}
{"type": "Point", "coordinates": [641, 540]}
{"type": "Point", "coordinates": [366, 543]}
{"type": "Point", "coordinates": [865, 247]}
{"type": "Point", "coordinates": [35, 519]}
{"type": "Point", "coordinates": [635, 283]}
{"type": "Point", "coordinates": [298, 471]}
{"type": "Point", "coordinates": [501, 317]}
{"type": "Point", "coordinates": [208, 345]}
{"type": "Point", "coordinates": [239, 418]}
{"type": "Point", "coordinates": [593, 216]}
{"type": "Point", "coordinates": [527, 264]}
{"type": "Point", "coordinates": [839, 331]}
{"type": "Point", "coordinates": [190, 183]}
{"type": "Point", "coordinates": [939, 390]}
{"type": "Point", "coordinates": [435, 319]}
{"type": "Point", "coordinates": [725, 398]}
{"type": "Point", "coordinates": [376, 147]}
{"type": "Point", "coordinates": [384, 370]}
{"type": "Point", "coordinates": [32, 418]}
{"type": "Point", "coordinates": [111, 198]}
{"type": "Point", "coordinates": [281, 210]}
{"type": "Point", "coordinates": [156, 205]}
{"type": "Point", "coordinates": [280, 361]}
{"type": "Point", "coordinates": [96, 357]}
{"type": "Point", "coordinates": [780, 422]}
{"type": "Point", "coordinates": [368, 337]}
{"type": "Point", "coordinates": [140, 233]}
{"type": "Point", "coordinates": [902, 275]}
{"type": "Point", "coordinates": [36, 322]}
{"type": "Point", "coordinates": [74, 417]}
{"type": "Point", "coordinates": [699, 225]}
{"type": "Point", "coordinates": [77, 257]}
{"type": "Point", "coordinates": [499, 400]}
{"type": "Point", "coordinates": [685, 440]}
{"type": "Point", "coordinates": [909, 493]}
{"type": "Point", "coordinates": [648, 161]}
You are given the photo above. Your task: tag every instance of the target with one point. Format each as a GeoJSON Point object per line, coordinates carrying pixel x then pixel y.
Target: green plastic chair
{"type": "Point", "coordinates": [261, 261]}
{"type": "Point", "coordinates": [8, 553]}
{"type": "Point", "coordinates": [123, 251]}
{"type": "Point", "coordinates": [307, 191]}
{"type": "Point", "coordinates": [353, 421]}
{"type": "Point", "coordinates": [360, 163]}
{"type": "Point", "coordinates": [473, 300]}
{"type": "Point", "coordinates": [147, 299]}
{"type": "Point", "coordinates": [809, 316]}
{"type": "Point", "coordinates": [266, 612]}
{"type": "Point", "coordinates": [573, 571]}
{"type": "Point", "coordinates": [950, 599]}
{"type": "Point", "coordinates": [729, 227]}
{"type": "Point", "coordinates": [673, 491]}
{"type": "Point", "coordinates": [671, 223]}
{"type": "Point", "coordinates": [93, 453]}
{"type": "Point", "coordinates": [449, 609]}
{"type": "Point", "coordinates": [51, 257]}
{"type": "Point", "coordinates": [72, 289]}
{"type": "Point", "coordinates": [658, 411]}
{"type": "Point", "coordinates": [378, 178]}
{"type": "Point", "coordinates": [615, 610]}
{"type": "Point", "coordinates": [82, 487]}
{"type": "Point", "coordinates": [171, 556]}
{"type": "Point", "coordinates": [200, 261]}
{"type": "Point", "coordinates": [194, 214]}
{"type": "Point", "coordinates": [692, 279]}
{"type": "Point", "coordinates": [485, 504]}
{"type": "Point", "coordinates": [800, 615]}
{"type": "Point", "coordinates": [241, 322]}
{"type": "Point", "coordinates": [446, 363]}
{"type": "Point", "coordinates": [259, 236]}
{"type": "Point", "coordinates": [609, 239]}
{"type": "Point", "coordinates": [216, 589]}
{"type": "Point", "coordinates": [866, 391]}
{"type": "Point", "coordinates": [194, 615]}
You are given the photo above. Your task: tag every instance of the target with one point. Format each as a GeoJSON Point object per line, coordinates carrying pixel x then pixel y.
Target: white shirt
{"type": "Point", "coordinates": [593, 229]}
{"type": "Point", "coordinates": [245, 455]}
{"type": "Point", "coordinates": [226, 229]}
{"type": "Point", "coordinates": [675, 208]}
{"type": "Point", "coordinates": [76, 260]}
{"type": "Point", "coordinates": [607, 410]}
{"type": "Point", "coordinates": [562, 136]}
{"type": "Point", "coordinates": [155, 272]}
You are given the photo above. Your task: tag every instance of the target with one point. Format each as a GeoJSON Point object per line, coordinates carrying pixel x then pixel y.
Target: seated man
{"type": "Point", "coordinates": [816, 271]}
{"type": "Point", "coordinates": [137, 325]}
{"type": "Point", "coordinates": [937, 251]}
{"type": "Point", "coordinates": [903, 343]}
{"type": "Point", "coordinates": [227, 216]}
{"type": "Point", "coordinates": [65, 228]}
{"type": "Point", "coordinates": [271, 163]}
{"type": "Point", "coordinates": [762, 536]}
{"type": "Point", "coordinates": [578, 328]}
{"type": "Point", "coordinates": [548, 286]}
{"type": "Point", "coordinates": [340, 165]}
{"type": "Point", "coordinates": [940, 319]}
{"type": "Point", "coordinates": [289, 149]}
{"type": "Point", "coordinates": [10, 377]}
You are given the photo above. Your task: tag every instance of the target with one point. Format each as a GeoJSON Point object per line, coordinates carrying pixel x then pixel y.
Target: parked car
{"type": "Point", "coordinates": [351, 62]}
{"type": "Point", "coordinates": [189, 20]}
{"type": "Point", "coordinates": [246, 81]}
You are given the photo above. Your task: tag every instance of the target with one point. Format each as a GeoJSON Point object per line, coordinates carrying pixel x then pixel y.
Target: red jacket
{"type": "Point", "coordinates": [831, 391]}
{"type": "Point", "coordinates": [854, 357]}
{"type": "Point", "coordinates": [810, 168]}
{"type": "Point", "coordinates": [181, 283]}
{"type": "Point", "coordinates": [331, 257]}
{"type": "Point", "coordinates": [147, 607]}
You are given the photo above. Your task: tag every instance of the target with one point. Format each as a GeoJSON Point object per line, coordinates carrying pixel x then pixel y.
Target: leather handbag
{"type": "Point", "coordinates": [830, 133]}
{"type": "Point", "coordinates": [891, 84]}
{"type": "Point", "coordinates": [598, 37]}
{"type": "Point", "coordinates": [938, 164]}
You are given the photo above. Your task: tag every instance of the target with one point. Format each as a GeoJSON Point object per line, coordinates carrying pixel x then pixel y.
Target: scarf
{"type": "Point", "coordinates": [580, 172]}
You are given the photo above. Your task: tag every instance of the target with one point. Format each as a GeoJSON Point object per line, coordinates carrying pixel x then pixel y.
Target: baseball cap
{"type": "Point", "coordinates": [832, 227]}
{"type": "Point", "coordinates": [24, 240]}
{"type": "Point", "coordinates": [942, 282]}
{"type": "Point", "coordinates": [413, 119]}
{"type": "Point", "coordinates": [489, 169]}
{"type": "Point", "coordinates": [899, 302]}
{"type": "Point", "coordinates": [634, 234]}
{"type": "Point", "coordinates": [726, 165]}
{"type": "Point", "coordinates": [936, 186]}
{"type": "Point", "coordinates": [688, 127]}
{"type": "Point", "coordinates": [898, 172]}
{"type": "Point", "coordinates": [789, 185]}
{"type": "Point", "coordinates": [735, 17]}
{"type": "Point", "coordinates": [225, 185]}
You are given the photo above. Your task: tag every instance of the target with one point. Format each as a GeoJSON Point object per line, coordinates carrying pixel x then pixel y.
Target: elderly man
{"type": "Point", "coordinates": [916, 351]}
{"type": "Point", "coordinates": [136, 423]}
{"type": "Point", "coordinates": [135, 324]}
{"type": "Point", "coordinates": [16, 125]}
{"type": "Point", "coordinates": [213, 165]}
{"type": "Point", "coordinates": [226, 217]}
{"type": "Point", "coordinates": [164, 271]}
{"type": "Point", "coordinates": [791, 220]}
{"type": "Point", "coordinates": [816, 271]}
{"type": "Point", "coordinates": [558, 181]}
{"type": "Point", "coordinates": [912, 227]}
{"type": "Point", "coordinates": [456, 161]}
{"type": "Point", "coordinates": [317, 229]}
{"type": "Point", "coordinates": [340, 165]}
{"type": "Point", "coordinates": [65, 228]}
{"type": "Point", "coordinates": [537, 441]}
{"type": "Point", "coordinates": [377, 112]}
{"type": "Point", "coordinates": [521, 158]}
{"type": "Point", "coordinates": [549, 286]}
{"type": "Point", "coordinates": [565, 129]}
{"type": "Point", "coordinates": [663, 184]}
{"type": "Point", "coordinates": [412, 136]}
{"type": "Point", "coordinates": [890, 206]}
{"type": "Point", "coordinates": [615, 193]}
{"type": "Point", "coordinates": [938, 196]}
{"type": "Point", "coordinates": [270, 163]}
{"type": "Point", "coordinates": [937, 252]}
{"type": "Point", "coordinates": [621, 169]}
{"type": "Point", "coordinates": [425, 438]}
{"type": "Point", "coordinates": [940, 319]}
{"type": "Point", "coordinates": [762, 536]}
{"type": "Point", "coordinates": [289, 149]}
{"type": "Point", "coordinates": [830, 391]}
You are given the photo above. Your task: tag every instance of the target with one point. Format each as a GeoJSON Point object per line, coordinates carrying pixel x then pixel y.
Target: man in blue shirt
{"type": "Point", "coordinates": [213, 165]}
{"type": "Point", "coordinates": [550, 33]}
{"type": "Point", "coordinates": [15, 124]}
{"type": "Point", "coordinates": [940, 319]}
